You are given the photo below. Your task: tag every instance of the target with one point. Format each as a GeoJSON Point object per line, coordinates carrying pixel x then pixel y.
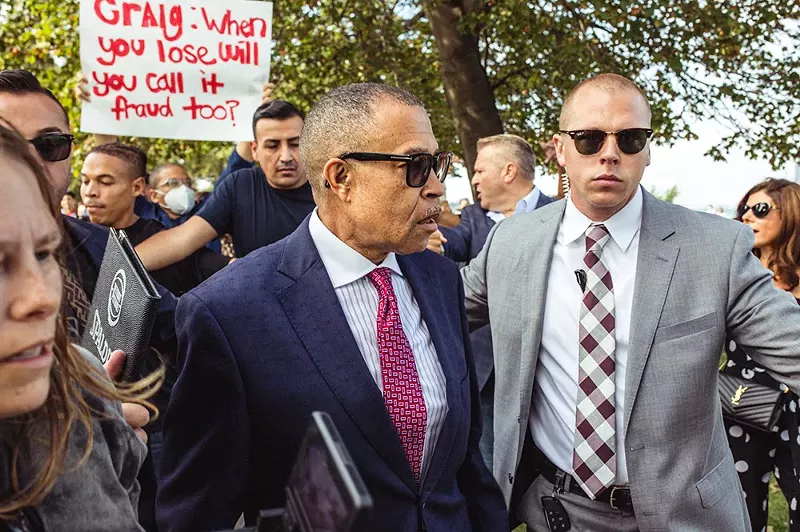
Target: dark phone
{"type": "Point", "coordinates": [555, 515]}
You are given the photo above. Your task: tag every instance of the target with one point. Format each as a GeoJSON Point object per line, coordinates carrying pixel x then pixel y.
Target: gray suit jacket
{"type": "Point", "coordinates": [696, 280]}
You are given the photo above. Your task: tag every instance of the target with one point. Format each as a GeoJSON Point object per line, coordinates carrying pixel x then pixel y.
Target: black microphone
{"type": "Point", "coordinates": [580, 276]}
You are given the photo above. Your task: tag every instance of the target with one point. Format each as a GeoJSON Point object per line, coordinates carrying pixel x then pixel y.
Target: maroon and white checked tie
{"type": "Point", "coordinates": [402, 389]}
{"type": "Point", "coordinates": [594, 459]}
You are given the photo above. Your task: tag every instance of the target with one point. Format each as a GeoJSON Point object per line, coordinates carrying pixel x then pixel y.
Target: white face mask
{"type": "Point", "coordinates": [180, 200]}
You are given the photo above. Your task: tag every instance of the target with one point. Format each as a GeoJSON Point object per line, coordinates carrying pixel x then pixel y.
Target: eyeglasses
{"type": "Point", "coordinates": [418, 165]}
{"type": "Point", "coordinates": [53, 147]}
{"type": "Point", "coordinates": [174, 182]}
{"type": "Point", "coordinates": [760, 210]}
{"type": "Point", "coordinates": [589, 141]}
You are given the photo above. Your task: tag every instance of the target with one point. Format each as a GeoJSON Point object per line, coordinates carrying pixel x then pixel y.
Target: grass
{"type": "Point", "coordinates": [778, 511]}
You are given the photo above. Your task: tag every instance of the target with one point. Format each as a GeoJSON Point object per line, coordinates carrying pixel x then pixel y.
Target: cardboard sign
{"type": "Point", "coordinates": [176, 69]}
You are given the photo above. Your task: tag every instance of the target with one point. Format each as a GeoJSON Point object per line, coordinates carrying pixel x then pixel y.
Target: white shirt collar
{"type": "Point", "coordinates": [622, 227]}
{"type": "Point", "coordinates": [343, 264]}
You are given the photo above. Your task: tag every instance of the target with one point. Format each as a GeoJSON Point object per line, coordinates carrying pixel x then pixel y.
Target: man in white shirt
{"type": "Point", "coordinates": [349, 315]}
{"type": "Point", "coordinates": [608, 313]}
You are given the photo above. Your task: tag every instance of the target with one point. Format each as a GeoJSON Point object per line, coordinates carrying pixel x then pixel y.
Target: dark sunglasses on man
{"type": "Point", "coordinates": [418, 165]}
{"type": "Point", "coordinates": [53, 147]}
{"type": "Point", "coordinates": [760, 210]}
{"type": "Point", "coordinates": [590, 141]}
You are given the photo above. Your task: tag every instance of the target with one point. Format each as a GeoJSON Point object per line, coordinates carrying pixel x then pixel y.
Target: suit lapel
{"type": "Point", "coordinates": [314, 311]}
{"type": "Point", "coordinates": [536, 254]}
{"type": "Point", "coordinates": [656, 263]}
{"type": "Point", "coordinates": [439, 320]}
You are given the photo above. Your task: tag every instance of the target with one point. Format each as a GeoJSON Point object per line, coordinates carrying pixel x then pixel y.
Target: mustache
{"type": "Point", "coordinates": [433, 211]}
{"type": "Point", "coordinates": [287, 166]}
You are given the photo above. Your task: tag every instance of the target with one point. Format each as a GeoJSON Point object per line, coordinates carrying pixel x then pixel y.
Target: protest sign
{"type": "Point", "coordinates": [176, 69]}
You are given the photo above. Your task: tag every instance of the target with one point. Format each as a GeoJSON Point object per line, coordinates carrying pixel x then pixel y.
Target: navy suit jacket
{"type": "Point", "coordinates": [464, 242]}
{"type": "Point", "coordinates": [262, 345]}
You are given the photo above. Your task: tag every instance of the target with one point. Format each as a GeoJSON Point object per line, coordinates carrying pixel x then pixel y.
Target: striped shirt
{"type": "Point", "coordinates": [358, 297]}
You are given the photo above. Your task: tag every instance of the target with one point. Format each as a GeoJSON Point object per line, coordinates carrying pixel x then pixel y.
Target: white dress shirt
{"type": "Point", "coordinates": [555, 391]}
{"type": "Point", "coordinates": [526, 204]}
{"type": "Point", "coordinates": [358, 297]}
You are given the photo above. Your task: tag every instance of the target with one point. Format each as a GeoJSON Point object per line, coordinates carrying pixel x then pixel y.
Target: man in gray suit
{"type": "Point", "coordinates": [608, 312]}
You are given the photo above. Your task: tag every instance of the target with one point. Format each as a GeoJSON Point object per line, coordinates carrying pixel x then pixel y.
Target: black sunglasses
{"type": "Point", "coordinates": [589, 141]}
{"type": "Point", "coordinates": [418, 165]}
{"type": "Point", "coordinates": [760, 210]}
{"type": "Point", "coordinates": [53, 147]}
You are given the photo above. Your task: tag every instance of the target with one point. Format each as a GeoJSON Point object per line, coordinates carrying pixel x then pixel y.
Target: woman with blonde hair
{"type": "Point", "coordinates": [68, 459]}
{"type": "Point", "coordinates": [772, 210]}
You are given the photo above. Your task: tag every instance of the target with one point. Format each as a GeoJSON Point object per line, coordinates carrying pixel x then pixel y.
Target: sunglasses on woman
{"type": "Point", "coordinates": [590, 141]}
{"type": "Point", "coordinates": [53, 147]}
{"type": "Point", "coordinates": [760, 210]}
{"type": "Point", "coordinates": [418, 165]}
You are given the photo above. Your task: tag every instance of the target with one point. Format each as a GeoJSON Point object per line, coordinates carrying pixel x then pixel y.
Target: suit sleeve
{"type": "Point", "coordinates": [763, 319]}
{"type": "Point", "coordinates": [475, 287]}
{"type": "Point", "coordinates": [206, 429]}
{"type": "Point", "coordinates": [458, 241]}
{"type": "Point", "coordinates": [485, 503]}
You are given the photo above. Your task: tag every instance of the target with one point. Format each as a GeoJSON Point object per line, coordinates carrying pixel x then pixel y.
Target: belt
{"type": "Point", "coordinates": [618, 497]}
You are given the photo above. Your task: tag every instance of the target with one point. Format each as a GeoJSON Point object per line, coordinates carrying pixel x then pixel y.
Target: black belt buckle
{"type": "Point", "coordinates": [626, 505]}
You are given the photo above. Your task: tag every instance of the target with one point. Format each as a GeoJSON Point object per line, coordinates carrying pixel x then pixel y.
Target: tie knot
{"type": "Point", "coordinates": [596, 237]}
{"type": "Point", "coordinates": [382, 279]}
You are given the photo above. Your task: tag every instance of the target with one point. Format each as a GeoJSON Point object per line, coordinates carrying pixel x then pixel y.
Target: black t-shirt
{"type": "Point", "coordinates": [254, 213]}
{"type": "Point", "coordinates": [182, 276]}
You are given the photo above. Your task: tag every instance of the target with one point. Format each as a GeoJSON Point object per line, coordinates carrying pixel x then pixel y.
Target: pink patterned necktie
{"type": "Point", "coordinates": [402, 389]}
{"type": "Point", "coordinates": [594, 459]}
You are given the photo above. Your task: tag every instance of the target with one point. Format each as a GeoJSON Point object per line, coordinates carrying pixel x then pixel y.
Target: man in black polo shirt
{"type": "Point", "coordinates": [257, 206]}
{"type": "Point", "coordinates": [112, 178]}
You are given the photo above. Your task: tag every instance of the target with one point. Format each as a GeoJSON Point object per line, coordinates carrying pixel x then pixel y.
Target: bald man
{"type": "Point", "coordinates": [609, 312]}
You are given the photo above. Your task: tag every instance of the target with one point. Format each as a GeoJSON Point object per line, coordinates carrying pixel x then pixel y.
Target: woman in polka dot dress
{"type": "Point", "coordinates": [772, 209]}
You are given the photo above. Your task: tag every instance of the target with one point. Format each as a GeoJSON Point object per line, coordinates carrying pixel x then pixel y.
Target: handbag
{"type": "Point", "coordinates": [749, 403]}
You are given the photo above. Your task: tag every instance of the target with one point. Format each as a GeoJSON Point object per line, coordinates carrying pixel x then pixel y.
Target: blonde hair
{"type": "Point", "coordinates": [517, 148]}
{"type": "Point", "coordinates": [71, 376]}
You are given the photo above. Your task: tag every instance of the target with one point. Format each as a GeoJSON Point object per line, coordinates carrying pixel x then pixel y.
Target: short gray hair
{"type": "Point", "coordinates": [340, 122]}
{"type": "Point", "coordinates": [517, 149]}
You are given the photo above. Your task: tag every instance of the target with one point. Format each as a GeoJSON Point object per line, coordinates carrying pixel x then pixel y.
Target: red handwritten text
{"type": "Point", "coordinates": [111, 82]}
{"type": "Point", "coordinates": [188, 53]}
{"type": "Point", "coordinates": [172, 82]}
{"type": "Point", "coordinates": [171, 24]}
{"type": "Point", "coordinates": [240, 28]}
{"type": "Point", "coordinates": [119, 48]}
{"type": "Point", "coordinates": [244, 52]}
{"type": "Point", "coordinates": [215, 112]}
{"type": "Point", "coordinates": [210, 83]}
{"type": "Point", "coordinates": [124, 109]}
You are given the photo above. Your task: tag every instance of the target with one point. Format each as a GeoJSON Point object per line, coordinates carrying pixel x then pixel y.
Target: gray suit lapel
{"type": "Point", "coordinates": [657, 257]}
{"type": "Point", "coordinates": [537, 254]}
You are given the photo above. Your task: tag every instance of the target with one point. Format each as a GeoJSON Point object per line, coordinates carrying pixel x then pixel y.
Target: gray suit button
{"type": "Point", "coordinates": [510, 478]}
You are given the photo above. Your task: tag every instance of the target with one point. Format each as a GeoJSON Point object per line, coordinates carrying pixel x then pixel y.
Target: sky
{"type": "Point", "coordinates": [701, 181]}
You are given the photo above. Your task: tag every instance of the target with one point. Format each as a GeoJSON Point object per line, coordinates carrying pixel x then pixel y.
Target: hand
{"type": "Point", "coordinates": [81, 91]}
{"type": "Point", "coordinates": [266, 92]}
{"type": "Point", "coordinates": [436, 242]}
{"type": "Point", "coordinates": [135, 415]}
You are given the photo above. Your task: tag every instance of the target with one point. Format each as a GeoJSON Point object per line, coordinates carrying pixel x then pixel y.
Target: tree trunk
{"type": "Point", "coordinates": [467, 89]}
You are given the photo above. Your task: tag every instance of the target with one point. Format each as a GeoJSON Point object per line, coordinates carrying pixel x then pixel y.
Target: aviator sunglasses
{"type": "Point", "coordinates": [418, 165]}
{"type": "Point", "coordinates": [590, 141]}
{"type": "Point", "coordinates": [760, 210]}
{"type": "Point", "coordinates": [53, 147]}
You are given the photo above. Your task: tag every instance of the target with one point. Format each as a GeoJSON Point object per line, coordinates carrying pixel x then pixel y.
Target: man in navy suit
{"type": "Point", "coordinates": [503, 177]}
{"type": "Point", "coordinates": [350, 315]}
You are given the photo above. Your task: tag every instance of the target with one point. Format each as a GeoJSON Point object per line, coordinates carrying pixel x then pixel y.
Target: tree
{"type": "Point", "coordinates": [668, 195]}
{"type": "Point", "coordinates": [482, 66]}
